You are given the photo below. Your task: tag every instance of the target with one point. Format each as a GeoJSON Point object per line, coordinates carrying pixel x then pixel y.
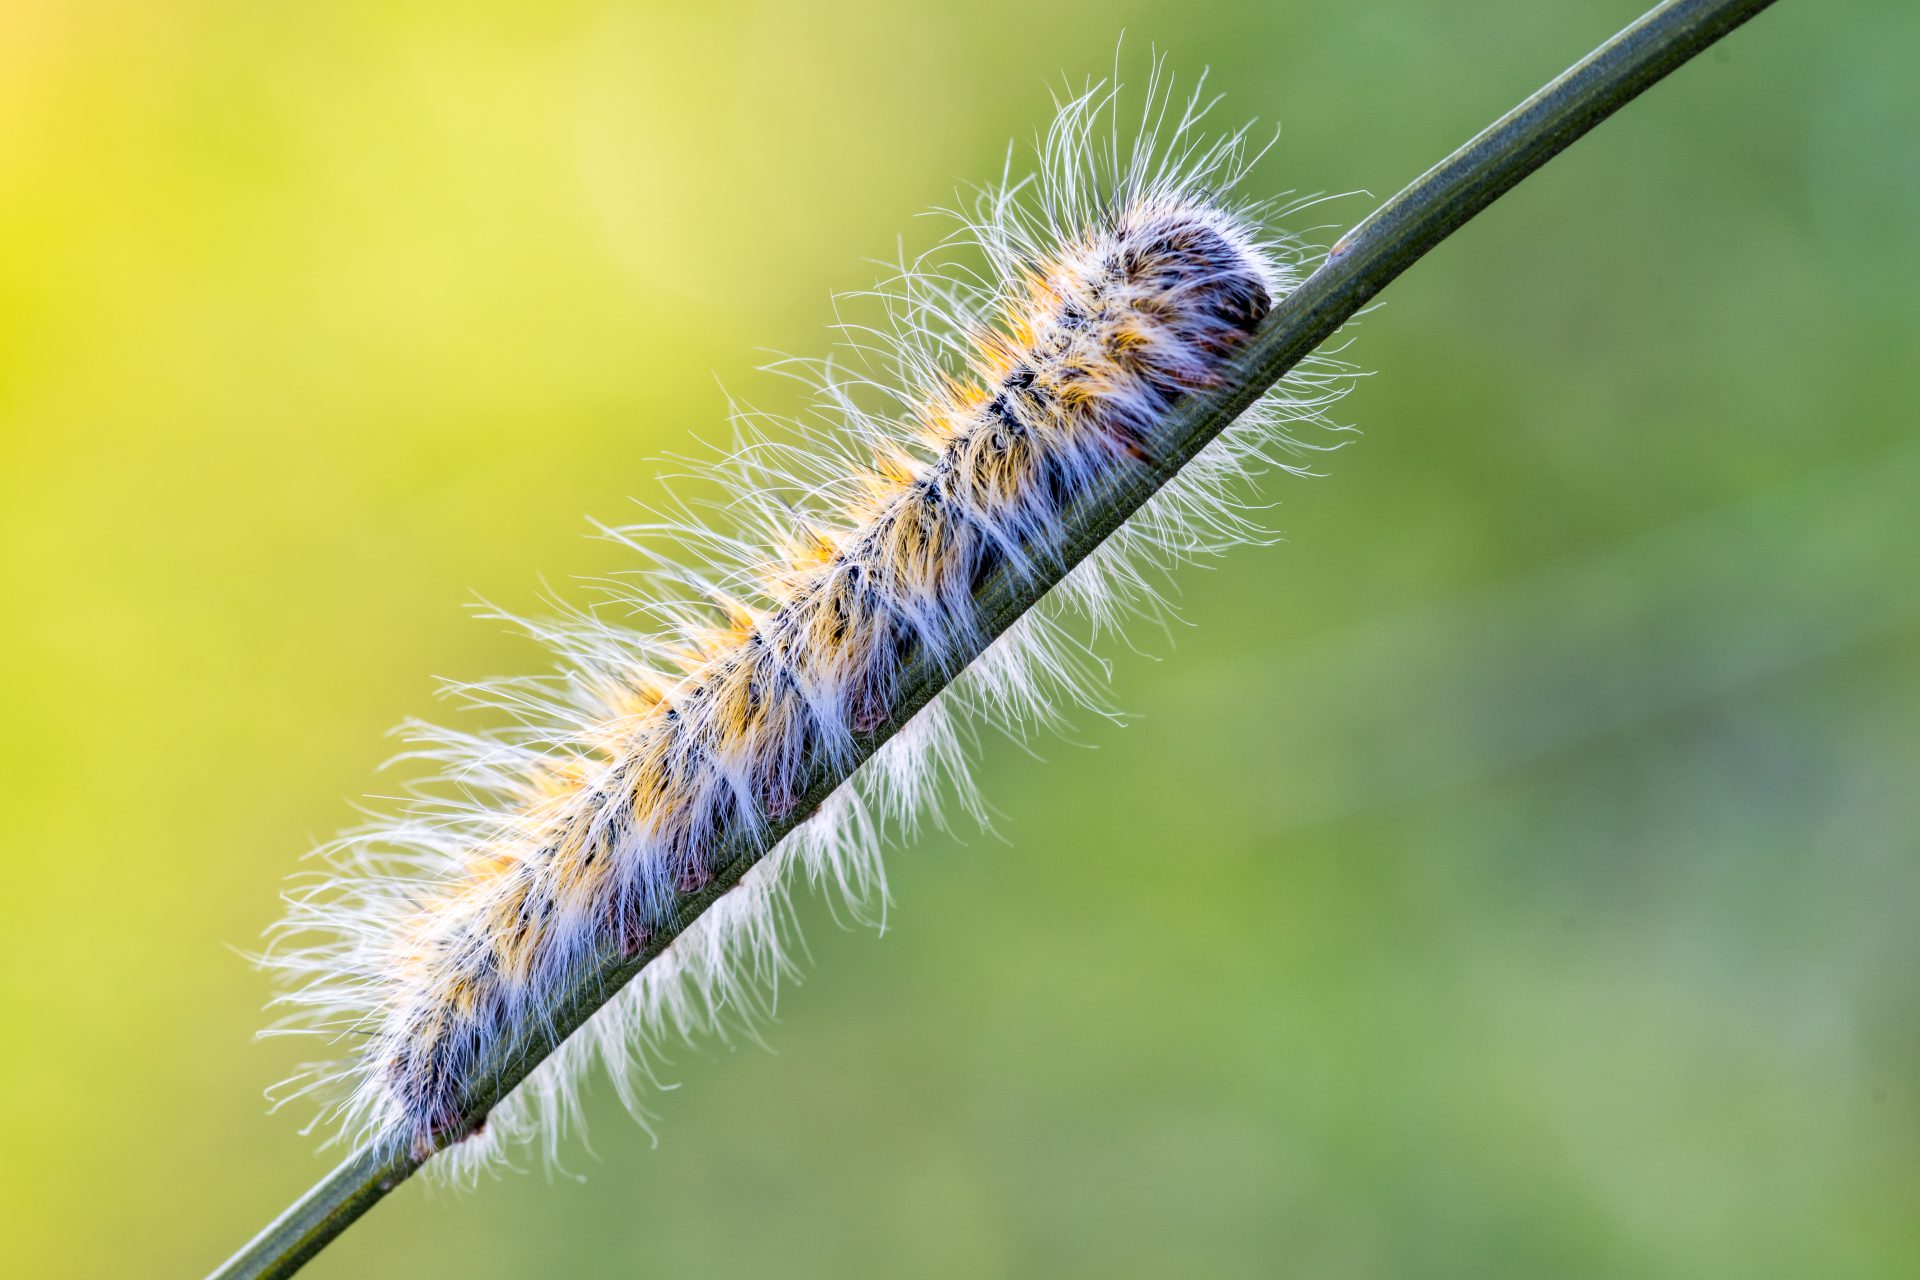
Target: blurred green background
{"type": "Point", "coordinates": [1512, 874]}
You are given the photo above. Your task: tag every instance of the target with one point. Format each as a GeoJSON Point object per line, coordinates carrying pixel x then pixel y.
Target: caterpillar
{"type": "Point", "coordinates": [1030, 358]}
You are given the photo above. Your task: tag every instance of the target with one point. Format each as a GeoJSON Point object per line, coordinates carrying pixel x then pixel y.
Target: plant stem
{"type": "Point", "coordinates": [1364, 262]}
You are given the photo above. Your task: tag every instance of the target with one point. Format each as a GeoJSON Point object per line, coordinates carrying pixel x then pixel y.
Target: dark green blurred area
{"type": "Point", "coordinates": [1512, 874]}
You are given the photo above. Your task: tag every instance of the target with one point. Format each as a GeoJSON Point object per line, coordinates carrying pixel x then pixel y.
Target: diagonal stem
{"type": "Point", "coordinates": [1367, 259]}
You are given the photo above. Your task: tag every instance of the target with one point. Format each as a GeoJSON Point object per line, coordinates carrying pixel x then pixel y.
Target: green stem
{"type": "Point", "coordinates": [1363, 263]}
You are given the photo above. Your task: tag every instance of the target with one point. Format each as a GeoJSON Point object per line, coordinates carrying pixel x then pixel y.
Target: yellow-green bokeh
{"type": "Point", "coordinates": [1512, 873]}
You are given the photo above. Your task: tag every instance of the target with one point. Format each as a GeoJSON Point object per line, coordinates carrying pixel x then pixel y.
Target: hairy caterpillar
{"type": "Point", "coordinates": [1116, 282]}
